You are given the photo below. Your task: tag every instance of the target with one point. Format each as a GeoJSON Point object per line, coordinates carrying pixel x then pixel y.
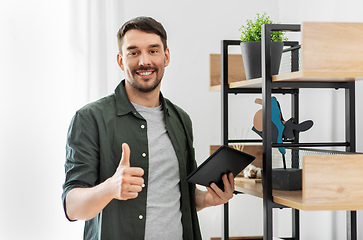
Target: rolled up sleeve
{"type": "Point", "coordinates": [82, 154]}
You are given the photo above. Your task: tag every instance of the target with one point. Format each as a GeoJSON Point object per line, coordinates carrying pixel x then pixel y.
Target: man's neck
{"type": "Point", "coordinates": [149, 99]}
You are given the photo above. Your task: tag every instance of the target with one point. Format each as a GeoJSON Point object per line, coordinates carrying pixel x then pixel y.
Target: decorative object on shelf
{"type": "Point", "coordinates": [282, 178]}
{"type": "Point", "coordinates": [251, 171]}
{"type": "Point", "coordinates": [288, 179]}
{"type": "Point", "coordinates": [281, 129]}
{"type": "Point", "coordinates": [251, 46]}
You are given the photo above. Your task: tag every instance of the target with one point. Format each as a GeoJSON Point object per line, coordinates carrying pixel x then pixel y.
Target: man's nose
{"type": "Point", "coordinates": [145, 59]}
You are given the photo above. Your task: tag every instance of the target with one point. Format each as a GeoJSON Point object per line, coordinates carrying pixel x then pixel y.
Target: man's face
{"type": "Point", "coordinates": [143, 60]}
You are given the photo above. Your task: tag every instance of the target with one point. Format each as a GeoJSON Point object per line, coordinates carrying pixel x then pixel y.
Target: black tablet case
{"type": "Point", "coordinates": [223, 160]}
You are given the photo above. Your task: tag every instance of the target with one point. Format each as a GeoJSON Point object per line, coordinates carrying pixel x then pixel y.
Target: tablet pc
{"type": "Point", "coordinates": [224, 160]}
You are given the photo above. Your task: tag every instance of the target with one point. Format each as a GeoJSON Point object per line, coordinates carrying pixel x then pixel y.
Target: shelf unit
{"type": "Point", "coordinates": [336, 75]}
{"type": "Point", "coordinates": [314, 194]}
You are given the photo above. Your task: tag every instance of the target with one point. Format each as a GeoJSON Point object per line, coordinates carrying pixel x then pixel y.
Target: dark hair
{"type": "Point", "coordinates": [145, 24]}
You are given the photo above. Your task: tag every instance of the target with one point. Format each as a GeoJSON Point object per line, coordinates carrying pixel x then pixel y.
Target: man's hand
{"type": "Point", "coordinates": [215, 196]}
{"type": "Point", "coordinates": [127, 180]}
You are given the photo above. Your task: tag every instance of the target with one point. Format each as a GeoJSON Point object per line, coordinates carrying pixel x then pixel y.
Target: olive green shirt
{"type": "Point", "coordinates": [93, 152]}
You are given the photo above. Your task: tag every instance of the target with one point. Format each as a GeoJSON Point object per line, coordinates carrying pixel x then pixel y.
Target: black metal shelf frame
{"type": "Point", "coordinates": [269, 87]}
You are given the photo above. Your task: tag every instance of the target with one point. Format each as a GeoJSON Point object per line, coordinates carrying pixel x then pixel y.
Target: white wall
{"type": "Point", "coordinates": [39, 94]}
{"type": "Point", "coordinates": [36, 106]}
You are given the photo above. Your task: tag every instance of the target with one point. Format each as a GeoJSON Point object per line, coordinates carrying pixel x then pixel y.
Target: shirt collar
{"type": "Point", "coordinates": [124, 105]}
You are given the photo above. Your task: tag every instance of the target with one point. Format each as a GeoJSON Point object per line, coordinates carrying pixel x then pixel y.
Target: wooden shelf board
{"type": "Point", "coordinates": [321, 76]}
{"type": "Point", "coordinates": [333, 180]}
{"type": "Point", "coordinates": [254, 189]}
{"type": "Point", "coordinates": [294, 199]}
{"type": "Point", "coordinates": [215, 88]}
{"type": "Point", "coordinates": [296, 77]}
{"type": "Point", "coordinates": [291, 199]}
{"type": "Point", "coordinates": [235, 70]}
{"type": "Point", "coordinates": [323, 51]}
{"type": "Point", "coordinates": [253, 83]}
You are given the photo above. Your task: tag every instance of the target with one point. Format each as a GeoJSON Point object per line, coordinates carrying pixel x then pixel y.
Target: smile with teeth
{"type": "Point", "coordinates": [144, 73]}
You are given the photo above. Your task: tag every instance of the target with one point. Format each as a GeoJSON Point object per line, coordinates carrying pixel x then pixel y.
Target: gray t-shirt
{"type": "Point", "coordinates": [163, 215]}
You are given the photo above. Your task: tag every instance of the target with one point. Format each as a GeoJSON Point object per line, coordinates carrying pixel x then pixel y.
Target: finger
{"type": "Point", "coordinates": [231, 180]}
{"type": "Point", "coordinates": [129, 195]}
{"type": "Point", "coordinates": [213, 193]}
{"type": "Point", "coordinates": [130, 188]}
{"type": "Point", "coordinates": [133, 171]}
{"type": "Point", "coordinates": [125, 158]}
{"type": "Point", "coordinates": [216, 190]}
{"type": "Point", "coordinates": [228, 182]}
{"type": "Point", "coordinates": [228, 186]}
{"type": "Point", "coordinates": [133, 180]}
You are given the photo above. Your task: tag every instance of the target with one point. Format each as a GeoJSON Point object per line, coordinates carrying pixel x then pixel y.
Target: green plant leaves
{"type": "Point", "coordinates": [251, 32]}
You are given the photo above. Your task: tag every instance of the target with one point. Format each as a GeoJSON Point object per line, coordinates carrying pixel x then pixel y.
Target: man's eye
{"type": "Point", "coordinates": [153, 51]}
{"type": "Point", "coordinates": [132, 53]}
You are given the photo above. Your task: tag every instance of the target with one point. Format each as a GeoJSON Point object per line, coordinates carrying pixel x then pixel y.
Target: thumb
{"type": "Point", "coordinates": [125, 158]}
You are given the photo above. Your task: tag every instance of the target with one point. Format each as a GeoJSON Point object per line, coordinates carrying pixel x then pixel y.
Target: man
{"type": "Point", "coordinates": [129, 153]}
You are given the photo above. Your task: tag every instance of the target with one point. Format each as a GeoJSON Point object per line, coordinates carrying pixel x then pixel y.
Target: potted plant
{"type": "Point", "coordinates": [251, 46]}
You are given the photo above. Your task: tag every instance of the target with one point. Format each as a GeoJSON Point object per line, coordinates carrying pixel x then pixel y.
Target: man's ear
{"type": "Point", "coordinates": [167, 57]}
{"type": "Point", "coordinates": [120, 61]}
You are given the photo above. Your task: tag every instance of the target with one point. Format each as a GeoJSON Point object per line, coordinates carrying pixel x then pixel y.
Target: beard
{"type": "Point", "coordinates": [148, 86]}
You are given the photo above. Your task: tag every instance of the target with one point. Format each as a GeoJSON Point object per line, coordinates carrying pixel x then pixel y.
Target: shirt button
{"type": "Point", "coordinates": [143, 154]}
{"type": "Point", "coordinates": [142, 126]}
{"type": "Point", "coordinates": [141, 217]}
{"type": "Point", "coordinates": [143, 185]}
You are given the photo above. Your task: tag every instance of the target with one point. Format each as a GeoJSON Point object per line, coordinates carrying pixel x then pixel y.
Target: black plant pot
{"type": "Point", "coordinates": [251, 54]}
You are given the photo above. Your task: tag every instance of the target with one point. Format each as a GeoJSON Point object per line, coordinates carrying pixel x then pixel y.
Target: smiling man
{"type": "Point", "coordinates": [127, 154]}
{"type": "Point", "coordinates": [143, 58]}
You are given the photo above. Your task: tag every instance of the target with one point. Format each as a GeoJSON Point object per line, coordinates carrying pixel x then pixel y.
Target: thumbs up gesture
{"type": "Point", "coordinates": [128, 181]}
